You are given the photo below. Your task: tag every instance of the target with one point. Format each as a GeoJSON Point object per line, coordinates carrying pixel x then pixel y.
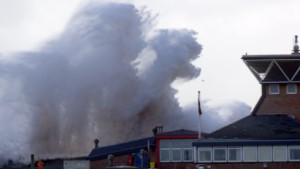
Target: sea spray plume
{"type": "Point", "coordinates": [14, 118]}
{"type": "Point", "coordinates": [173, 52]}
{"type": "Point", "coordinates": [216, 113]}
{"type": "Point", "coordinates": [98, 46]}
{"type": "Point", "coordinates": [91, 81]}
{"type": "Point", "coordinates": [83, 68]}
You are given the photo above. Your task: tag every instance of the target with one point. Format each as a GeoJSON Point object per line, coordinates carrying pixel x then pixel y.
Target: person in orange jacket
{"type": "Point", "coordinates": [40, 164]}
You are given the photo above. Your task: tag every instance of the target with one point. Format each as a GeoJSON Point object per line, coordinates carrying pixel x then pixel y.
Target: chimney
{"type": "Point", "coordinates": [160, 129]}
{"type": "Point", "coordinates": [296, 47]}
{"type": "Point", "coordinates": [155, 131]}
{"type": "Point", "coordinates": [96, 141]}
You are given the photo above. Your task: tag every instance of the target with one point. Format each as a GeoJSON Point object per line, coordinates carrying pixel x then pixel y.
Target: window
{"type": "Point", "coordinates": [294, 153]}
{"type": "Point", "coordinates": [219, 155]}
{"type": "Point", "coordinates": [265, 153]}
{"type": "Point", "coordinates": [164, 150]}
{"type": "Point", "coordinates": [176, 150]}
{"type": "Point", "coordinates": [291, 89]}
{"type": "Point", "coordinates": [164, 155]}
{"type": "Point", "coordinates": [176, 155]}
{"type": "Point", "coordinates": [188, 155]}
{"type": "Point", "coordinates": [274, 89]}
{"type": "Point", "coordinates": [164, 144]}
{"type": "Point", "coordinates": [279, 153]}
{"type": "Point", "coordinates": [187, 152]}
{"type": "Point", "coordinates": [249, 154]}
{"type": "Point", "coordinates": [204, 155]}
{"type": "Point", "coordinates": [176, 143]}
{"type": "Point", "coordinates": [187, 143]}
{"type": "Point", "coordinates": [234, 154]}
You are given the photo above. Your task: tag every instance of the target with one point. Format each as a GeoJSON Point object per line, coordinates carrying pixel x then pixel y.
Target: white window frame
{"type": "Point", "coordinates": [286, 153]}
{"type": "Point", "coordinates": [291, 85]}
{"type": "Point", "coordinates": [263, 149]}
{"type": "Point", "coordinates": [249, 148]}
{"type": "Point", "coordinates": [277, 89]}
{"type": "Point", "coordinates": [164, 149]}
{"type": "Point", "coordinates": [205, 149]}
{"type": "Point", "coordinates": [191, 160]}
{"type": "Point", "coordinates": [289, 152]}
{"type": "Point", "coordinates": [172, 154]}
{"type": "Point", "coordinates": [195, 152]}
{"type": "Point", "coordinates": [219, 148]}
{"type": "Point", "coordinates": [234, 148]}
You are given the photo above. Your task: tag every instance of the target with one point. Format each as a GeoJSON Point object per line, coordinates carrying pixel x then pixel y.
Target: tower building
{"type": "Point", "coordinates": [279, 76]}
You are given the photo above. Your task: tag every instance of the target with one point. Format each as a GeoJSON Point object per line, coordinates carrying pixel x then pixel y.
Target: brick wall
{"type": "Point", "coordinates": [119, 160]}
{"type": "Point", "coordinates": [282, 103]}
{"type": "Point", "coordinates": [277, 165]}
{"type": "Point", "coordinates": [261, 165]}
{"type": "Point", "coordinates": [177, 165]}
{"type": "Point", "coordinates": [101, 164]}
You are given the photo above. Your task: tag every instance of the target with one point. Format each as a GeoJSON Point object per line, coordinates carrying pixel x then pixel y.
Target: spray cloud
{"type": "Point", "coordinates": [107, 76]}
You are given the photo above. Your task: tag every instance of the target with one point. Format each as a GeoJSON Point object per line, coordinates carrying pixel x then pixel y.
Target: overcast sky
{"type": "Point", "coordinates": [226, 29]}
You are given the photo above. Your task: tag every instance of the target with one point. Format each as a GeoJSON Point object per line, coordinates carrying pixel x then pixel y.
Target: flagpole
{"type": "Point", "coordinates": [199, 126]}
{"type": "Point", "coordinates": [200, 113]}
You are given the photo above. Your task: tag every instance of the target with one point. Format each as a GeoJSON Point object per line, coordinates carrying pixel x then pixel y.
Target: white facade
{"type": "Point", "coordinates": [76, 164]}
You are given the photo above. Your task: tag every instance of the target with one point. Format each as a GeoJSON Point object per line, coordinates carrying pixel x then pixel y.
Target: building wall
{"type": "Point", "coordinates": [101, 164]}
{"type": "Point", "coordinates": [277, 165]}
{"type": "Point", "coordinates": [119, 160]}
{"type": "Point", "coordinates": [286, 165]}
{"type": "Point", "coordinates": [282, 103]}
{"type": "Point", "coordinates": [177, 166]}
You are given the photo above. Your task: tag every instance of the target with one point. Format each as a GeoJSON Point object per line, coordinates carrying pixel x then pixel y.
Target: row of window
{"type": "Point", "coordinates": [176, 155]}
{"type": "Point", "coordinates": [176, 150]}
{"type": "Point", "coordinates": [249, 154]}
{"type": "Point", "coordinates": [290, 89]}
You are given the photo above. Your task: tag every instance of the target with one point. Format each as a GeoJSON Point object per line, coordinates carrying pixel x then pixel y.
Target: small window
{"type": "Point", "coordinates": [234, 154]}
{"type": "Point", "coordinates": [220, 155]}
{"type": "Point", "coordinates": [204, 155]}
{"type": "Point", "coordinates": [188, 155]}
{"type": "Point", "coordinates": [291, 89]}
{"type": "Point", "coordinates": [164, 144]}
{"type": "Point", "coordinates": [176, 143]}
{"type": "Point", "coordinates": [249, 154]}
{"type": "Point", "coordinates": [165, 155]}
{"type": "Point", "coordinates": [264, 153]}
{"type": "Point", "coordinates": [176, 155]}
{"type": "Point", "coordinates": [294, 153]}
{"type": "Point", "coordinates": [164, 150]}
{"type": "Point", "coordinates": [274, 89]}
{"type": "Point", "coordinates": [187, 143]}
{"type": "Point", "coordinates": [279, 153]}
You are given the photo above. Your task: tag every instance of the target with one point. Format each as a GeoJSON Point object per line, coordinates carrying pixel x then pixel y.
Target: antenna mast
{"type": "Point", "coordinates": [296, 47]}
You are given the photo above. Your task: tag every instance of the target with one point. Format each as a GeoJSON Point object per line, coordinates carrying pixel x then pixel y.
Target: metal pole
{"type": "Point", "coordinates": [32, 161]}
{"type": "Point", "coordinates": [142, 152]}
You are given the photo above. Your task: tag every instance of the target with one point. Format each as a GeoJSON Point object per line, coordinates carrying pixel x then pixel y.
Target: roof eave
{"type": "Point", "coordinates": [241, 142]}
